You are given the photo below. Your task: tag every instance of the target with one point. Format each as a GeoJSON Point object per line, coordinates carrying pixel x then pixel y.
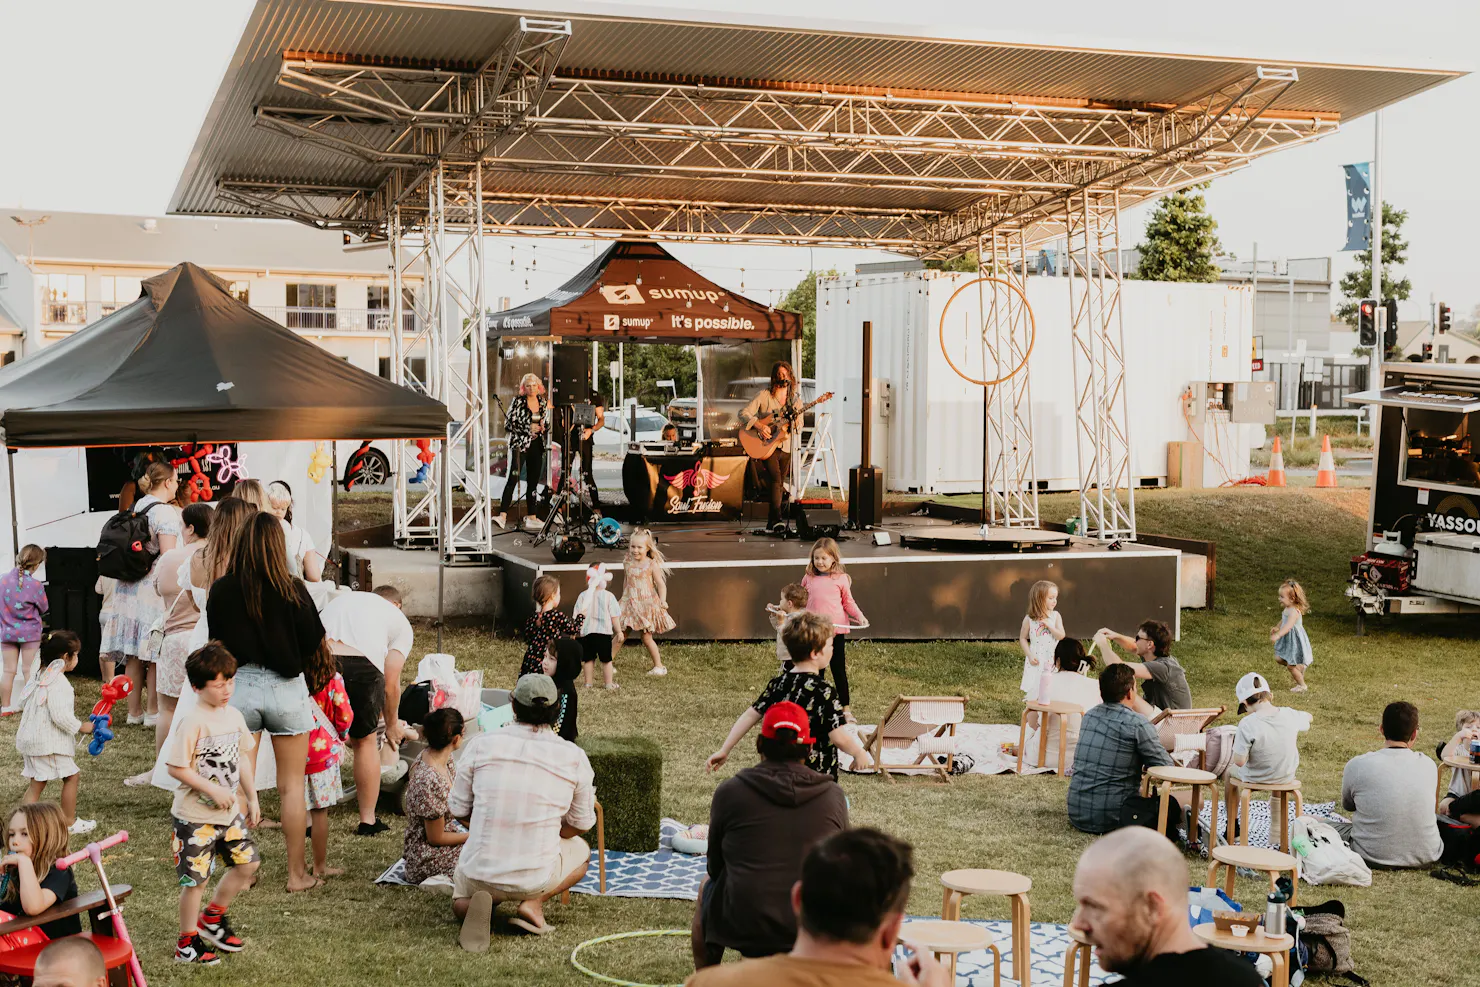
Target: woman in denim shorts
{"type": "Point", "coordinates": [266, 618]}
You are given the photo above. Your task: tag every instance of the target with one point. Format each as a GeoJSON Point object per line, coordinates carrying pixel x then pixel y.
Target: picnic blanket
{"type": "Point", "coordinates": [982, 742]}
{"type": "Point", "coordinates": [1259, 819]}
{"type": "Point", "coordinates": [1049, 945]}
{"type": "Point", "coordinates": [663, 873]}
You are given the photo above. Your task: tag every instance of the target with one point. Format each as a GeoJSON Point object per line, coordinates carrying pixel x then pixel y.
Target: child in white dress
{"type": "Point", "coordinates": [1042, 630]}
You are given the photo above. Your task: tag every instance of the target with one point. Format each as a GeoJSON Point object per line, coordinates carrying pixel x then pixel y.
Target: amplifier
{"type": "Point", "coordinates": [865, 496]}
{"type": "Point", "coordinates": [817, 520]}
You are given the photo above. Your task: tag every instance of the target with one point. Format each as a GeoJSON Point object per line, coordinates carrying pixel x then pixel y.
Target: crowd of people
{"type": "Point", "coordinates": [286, 679]}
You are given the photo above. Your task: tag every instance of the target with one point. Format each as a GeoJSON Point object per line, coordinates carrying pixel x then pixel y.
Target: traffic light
{"type": "Point", "coordinates": [1444, 319]}
{"type": "Point", "coordinates": [1390, 333]}
{"type": "Point", "coordinates": [1428, 352]}
{"type": "Point", "coordinates": [1367, 322]}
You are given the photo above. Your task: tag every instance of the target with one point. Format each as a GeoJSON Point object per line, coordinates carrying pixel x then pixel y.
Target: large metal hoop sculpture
{"type": "Point", "coordinates": [1032, 332]}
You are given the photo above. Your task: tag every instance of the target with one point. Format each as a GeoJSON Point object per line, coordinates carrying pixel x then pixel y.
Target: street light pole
{"type": "Point", "coordinates": [1375, 211]}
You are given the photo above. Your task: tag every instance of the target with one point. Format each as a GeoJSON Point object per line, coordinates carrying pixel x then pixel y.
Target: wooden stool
{"type": "Point", "coordinates": [1237, 801]}
{"type": "Point", "coordinates": [1277, 947]}
{"type": "Point", "coordinates": [1167, 777]}
{"type": "Point", "coordinates": [946, 938]}
{"type": "Point", "coordinates": [960, 883]}
{"type": "Point", "coordinates": [1044, 711]}
{"type": "Point", "coordinates": [1079, 957]}
{"type": "Point", "coordinates": [1272, 862]}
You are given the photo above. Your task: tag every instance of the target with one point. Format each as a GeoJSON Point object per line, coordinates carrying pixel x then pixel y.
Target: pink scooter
{"type": "Point", "coordinates": [94, 852]}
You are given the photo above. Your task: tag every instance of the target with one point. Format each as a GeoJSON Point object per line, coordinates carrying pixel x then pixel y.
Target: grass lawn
{"type": "Point", "coordinates": [1408, 929]}
{"type": "Point", "coordinates": [1304, 452]}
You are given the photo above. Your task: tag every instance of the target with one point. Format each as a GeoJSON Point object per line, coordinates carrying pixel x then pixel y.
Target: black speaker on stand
{"type": "Point", "coordinates": [866, 482]}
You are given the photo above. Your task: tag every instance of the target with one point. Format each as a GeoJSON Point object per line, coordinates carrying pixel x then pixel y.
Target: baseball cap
{"type": "Point", "coordinates": [534, 690]}
{"type": "Point", "coordinates": [1250, 685]}
{"type": "Point", "coordinates": [790, 716]}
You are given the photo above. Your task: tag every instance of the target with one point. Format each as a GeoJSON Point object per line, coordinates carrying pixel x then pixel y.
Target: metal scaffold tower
{"type": "Point", "coordinates": [1010, 484]}
{"type": "Point", "coordinates": [1102, 433]}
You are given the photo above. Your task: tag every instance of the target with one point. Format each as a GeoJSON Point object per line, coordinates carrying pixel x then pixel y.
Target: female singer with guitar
{"type": "Point", "coordinates": [760, 418]}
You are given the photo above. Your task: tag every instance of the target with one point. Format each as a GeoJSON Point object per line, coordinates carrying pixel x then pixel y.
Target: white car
{"type": "Point", "coordinates": [613, 435]}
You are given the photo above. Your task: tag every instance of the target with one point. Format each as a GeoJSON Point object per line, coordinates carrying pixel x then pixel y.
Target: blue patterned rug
{"type": "Point", "coordinates": [664, 873]}
{"type": "Point", "coordinates": [1049, 945]}
{"type": "Point", "coordinates": [1260, 819]}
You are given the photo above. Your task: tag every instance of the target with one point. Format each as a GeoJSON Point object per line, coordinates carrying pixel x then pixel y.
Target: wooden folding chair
{"type": "Point", "coordinates": [1170, 723]}
{"type": "Point", "coordinates": [926, 722]}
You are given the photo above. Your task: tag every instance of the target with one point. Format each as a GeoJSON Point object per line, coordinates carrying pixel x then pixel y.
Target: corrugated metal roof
{"type": "Point", "coordinates": [231, 146]}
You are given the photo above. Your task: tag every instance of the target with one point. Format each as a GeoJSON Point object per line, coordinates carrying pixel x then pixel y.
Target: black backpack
{"type": "Point", "coordinates": [123, 547]}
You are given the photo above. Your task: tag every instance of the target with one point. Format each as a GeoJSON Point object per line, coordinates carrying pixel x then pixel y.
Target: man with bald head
{"type": "Point", "coordinates": [1130, 893]}
{"type": "Point", "coordinates": [71, 961]}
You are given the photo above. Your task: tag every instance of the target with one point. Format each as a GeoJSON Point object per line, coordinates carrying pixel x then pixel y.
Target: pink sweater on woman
{"type": "Point", "coordinates": [832, 597]}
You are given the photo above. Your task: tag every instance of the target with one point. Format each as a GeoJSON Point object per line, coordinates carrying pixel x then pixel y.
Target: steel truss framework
{"type": "Point", "coordinates": [1102, 435]}
{"type": "Point", "coordinates": [513, 147]}
{"type": "Point", "coordinates": [1010, 486]}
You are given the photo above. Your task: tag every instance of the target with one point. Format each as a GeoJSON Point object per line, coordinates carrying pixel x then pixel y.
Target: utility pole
{"type": "Point", "coordinates": [1374, 372]}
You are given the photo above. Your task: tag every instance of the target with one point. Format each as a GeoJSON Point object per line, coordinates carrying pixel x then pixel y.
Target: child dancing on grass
{"type": "Point", "coordinates": [1291, 645]}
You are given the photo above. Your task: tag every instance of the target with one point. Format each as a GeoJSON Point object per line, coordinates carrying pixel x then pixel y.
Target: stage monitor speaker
{"type": "Point", "coordinates": [570, 374]}
{"type": "Point", "coordinates": [816, 521]}
{"type": "Point", "coordinates": [568, 549]}
{"type": "Point", "coordinates": [865, 496]}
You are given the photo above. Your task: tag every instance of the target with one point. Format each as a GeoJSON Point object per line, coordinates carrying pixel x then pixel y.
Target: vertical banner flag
{"type": "Point", "coordinates": [1358, 207]}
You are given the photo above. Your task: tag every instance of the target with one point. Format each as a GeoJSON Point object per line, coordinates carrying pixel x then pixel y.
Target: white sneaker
{"type": "Point", "coordinates": [660, 670]}
{"type": "Point", "coordinates": [83, 826]}
{"type": "Point", "coordinates": [150, 719]}
{"type": "Point", "coordinates": [532, 523]}
{"type": "Point", "coordinates": [502, 520]}
{"type": "Point", "coordinates": [136, 721]}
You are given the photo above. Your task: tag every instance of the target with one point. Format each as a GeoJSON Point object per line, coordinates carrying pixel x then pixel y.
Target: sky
{"type": "Point", "coordinates": [100, 118]}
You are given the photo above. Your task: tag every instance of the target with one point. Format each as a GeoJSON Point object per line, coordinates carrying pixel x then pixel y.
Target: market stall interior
{"type": "Point", "coordinates": [637, 293]}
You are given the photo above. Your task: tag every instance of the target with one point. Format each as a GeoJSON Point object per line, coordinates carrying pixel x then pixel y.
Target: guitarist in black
{"type": "Point", "coordinates": [781, 396]}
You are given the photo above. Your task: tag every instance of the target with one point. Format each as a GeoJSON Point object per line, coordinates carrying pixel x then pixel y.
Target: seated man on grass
{"type": "Point", "coordinates": [1116, 744]}
{"type": "Point", "coordinates": [809, 640]}
{"type": "Point", "coordinates": [762, 822]}
{"type": "Point", "coordinates": [1390, 795]}
{"type": "Point", "coordinates": [526, 796]}
{"type": "Point", "coordinates": [849, 906]}
{"type": "Point", "coordinates": [1164, 683]}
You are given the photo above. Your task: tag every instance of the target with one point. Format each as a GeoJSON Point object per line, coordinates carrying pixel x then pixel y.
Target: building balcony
{"type": "Point", "coordinates": [67, 317]}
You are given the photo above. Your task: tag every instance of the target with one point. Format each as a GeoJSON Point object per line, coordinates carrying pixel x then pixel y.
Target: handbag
{"type": "Point", "coordinates": [154, 640]}
{"type": "Point", "coordinates": [1143, 810]}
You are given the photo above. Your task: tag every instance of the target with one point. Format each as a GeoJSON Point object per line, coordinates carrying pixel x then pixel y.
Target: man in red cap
{"type": "Point", "coordinates": [762, 822]}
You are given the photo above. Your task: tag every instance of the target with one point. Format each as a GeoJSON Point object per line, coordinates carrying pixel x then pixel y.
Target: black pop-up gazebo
{"type": "Point", "coordinates": [188, 362]}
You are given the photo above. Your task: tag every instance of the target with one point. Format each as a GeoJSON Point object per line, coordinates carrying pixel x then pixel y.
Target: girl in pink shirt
{"type": "Point", "coordinates": [830, 593]}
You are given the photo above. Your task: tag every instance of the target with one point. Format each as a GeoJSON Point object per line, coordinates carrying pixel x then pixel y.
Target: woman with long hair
{"type": "Point", "coordinates": [779, 397]}
{"type": "Point", "coordinates": [135, 606]}
{"type": "Point", "coordinates": [525, 425]}
{"type": "Point", "coordinates": [264, 616]}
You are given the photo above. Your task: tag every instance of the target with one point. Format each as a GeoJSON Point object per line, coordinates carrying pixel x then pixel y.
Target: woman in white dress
{"type": "Point", "coordinates": [135, 606]}
{"type": "Point", "coordinates": [1069, 685]}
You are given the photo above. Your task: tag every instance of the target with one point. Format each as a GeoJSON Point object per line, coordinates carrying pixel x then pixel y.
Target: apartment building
{"type": "Point", "coordinates": [61, 271]}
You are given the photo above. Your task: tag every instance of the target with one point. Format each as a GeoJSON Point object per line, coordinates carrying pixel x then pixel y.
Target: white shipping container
{"type": "Point", "coordinates": [928, 421]}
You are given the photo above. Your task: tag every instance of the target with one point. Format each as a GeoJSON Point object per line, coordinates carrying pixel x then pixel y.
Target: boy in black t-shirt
{"type": "Point", "coordinates": [808, 638]}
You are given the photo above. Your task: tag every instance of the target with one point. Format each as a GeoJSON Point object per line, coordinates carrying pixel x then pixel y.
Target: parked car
{"type": "Point", "coordinates": [613, 435]}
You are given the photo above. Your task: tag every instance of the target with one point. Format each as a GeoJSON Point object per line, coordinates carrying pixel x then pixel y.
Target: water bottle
{"type": "Point", "coordinates": [1475, 752]}
{"type": "Point", "coordinates": [1045, 686]}
{"type": "Point", "coordinates": [1274, 913]}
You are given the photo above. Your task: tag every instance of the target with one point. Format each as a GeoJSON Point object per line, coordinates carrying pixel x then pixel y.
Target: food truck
{"type": "Point", "coordinates": [1423, 538]}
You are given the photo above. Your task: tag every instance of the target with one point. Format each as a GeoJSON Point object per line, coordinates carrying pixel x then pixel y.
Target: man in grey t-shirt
{"type": "Point", "coordinates": [1390, 794]}
{"type": "Point", "coordinates": [1164, 684]}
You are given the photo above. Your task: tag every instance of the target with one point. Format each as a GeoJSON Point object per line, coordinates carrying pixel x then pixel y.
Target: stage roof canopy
{"type": "Point", "coordinates": [673, 125]}
{"type": "Point", "coordinates": [638, 292]}
{"type": "Point", "coordinates": [188, 362]}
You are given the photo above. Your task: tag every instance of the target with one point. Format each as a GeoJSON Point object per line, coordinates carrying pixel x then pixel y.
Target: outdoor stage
{"type": "Point", "coordinates": [721, 576]}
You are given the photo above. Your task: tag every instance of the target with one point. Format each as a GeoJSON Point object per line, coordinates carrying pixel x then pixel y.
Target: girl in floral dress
{"type": "Point", "coordinates": [645, 594]}
{"type": "Point", "coordinates": [433, 838]}
{"type": "Point", "coordinates": [323, 786]}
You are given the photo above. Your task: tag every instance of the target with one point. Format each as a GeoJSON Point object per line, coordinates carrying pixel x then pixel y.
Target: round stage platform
{"type": "Point", "coordinates": [974, 537]}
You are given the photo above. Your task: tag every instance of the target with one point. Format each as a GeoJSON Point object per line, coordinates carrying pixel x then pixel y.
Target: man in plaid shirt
{"type": "Point", "coordinates": [1115, 745]}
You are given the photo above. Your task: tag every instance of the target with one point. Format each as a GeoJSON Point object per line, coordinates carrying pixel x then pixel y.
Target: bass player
{"type": "Point", "coordinates": [775, 469]}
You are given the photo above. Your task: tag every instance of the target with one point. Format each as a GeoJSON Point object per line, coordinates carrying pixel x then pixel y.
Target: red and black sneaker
{"type": "Point", "coordinates": [193, 949]}
{"type": "Point", "coordinates": [216, 930]}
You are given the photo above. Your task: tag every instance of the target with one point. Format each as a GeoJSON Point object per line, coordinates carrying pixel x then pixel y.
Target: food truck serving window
{"type": "Point", "coordinates": [1439, 448]}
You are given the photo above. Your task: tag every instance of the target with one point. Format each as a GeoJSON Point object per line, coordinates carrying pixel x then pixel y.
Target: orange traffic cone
{"type": "Point", "coordinates": [1276, 475]}
{"type": "Point", "coordinates": [1326, 471]}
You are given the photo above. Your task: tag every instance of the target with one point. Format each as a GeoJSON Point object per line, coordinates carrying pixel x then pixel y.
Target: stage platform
{"type": "Point", "coordinates": [722, 575]}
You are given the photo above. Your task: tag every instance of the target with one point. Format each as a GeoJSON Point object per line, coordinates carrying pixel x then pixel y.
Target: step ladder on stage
{"type": "Point", "coordinates": [819, 459]}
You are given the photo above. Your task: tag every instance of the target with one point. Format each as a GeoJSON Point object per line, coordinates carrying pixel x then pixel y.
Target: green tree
{"type": "Point", "coordinates": [644, 365]}
{"type": "Point", "coordinates": [1181, 240]}
{"type": "Point", "coordinates": [803, 300]}
{"type": "Point", "coordinates": [966, 262]}
{"type": "Point", "coordinates": [1356, 284]}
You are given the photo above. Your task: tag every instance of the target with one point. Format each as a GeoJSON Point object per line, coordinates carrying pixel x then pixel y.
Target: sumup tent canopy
{"type": "Point", "coordinates": [188, 362]}
{"type": "Point", "coordinates": [638, 292]}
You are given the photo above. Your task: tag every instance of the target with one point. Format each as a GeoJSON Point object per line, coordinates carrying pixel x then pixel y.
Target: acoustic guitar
{"type": "Point", "coordinates": [781, 422]}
